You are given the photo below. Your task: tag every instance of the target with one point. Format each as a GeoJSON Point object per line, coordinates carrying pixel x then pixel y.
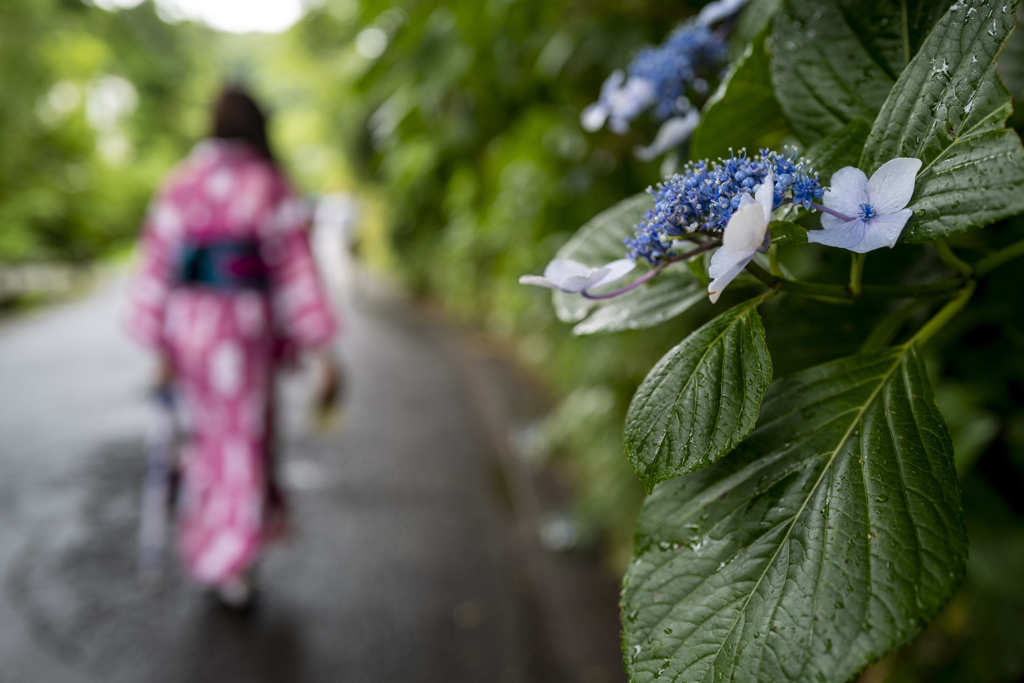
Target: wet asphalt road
{"type": "Point", "coordinates": [403, 565]}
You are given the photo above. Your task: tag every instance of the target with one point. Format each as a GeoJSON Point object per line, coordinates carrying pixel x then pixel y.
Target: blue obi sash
{"type": "Point", "coordinates": [226, 264]}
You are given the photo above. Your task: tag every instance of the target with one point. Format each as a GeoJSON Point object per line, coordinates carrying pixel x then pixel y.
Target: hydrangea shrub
{"type": "Point", "coordinates": [798, 528]}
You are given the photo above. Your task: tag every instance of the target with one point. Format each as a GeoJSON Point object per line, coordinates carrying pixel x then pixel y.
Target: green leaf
{"type": "Point", "coordinates": [832, 535]}
{"type": "Point", "coordinates": [841, 148]}
{"type": "Point", "coordinates": [743, 111]}
{"type": "Point", "coordinates": [757, 15]}
{"type": "Point", "coordinates": [700, 399]}
{"type": "Point", "coordinates": [948, 109]}
{"type": "Point", "coordinates": [785, 232]}
{"type": "Point", "coordinates": [599, 241]}
{"type": "Point", "coordinates": [893, 30]}
{"type": "Point", "coordinates": [824, 76]}
{"type": "Point", "coordinates": [1011, 61]}
{"type": "Point", "coordinates": [671, 292]}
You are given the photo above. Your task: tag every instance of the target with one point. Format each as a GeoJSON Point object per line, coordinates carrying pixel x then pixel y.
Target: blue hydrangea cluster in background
{"type": "Point", "coordinates": [704, 196]}
{"type": "Point", "coordinates": [676, 64]}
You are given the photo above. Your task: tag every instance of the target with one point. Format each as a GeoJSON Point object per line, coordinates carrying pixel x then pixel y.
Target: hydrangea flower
{"type": "Point", "coordinates": [704, 197]}
{"type": "Point", "coordinates": [659, 77]}
{"type": "Point", "coordinates": [620, 102]}
{"type": "Point", "coordinates": [745, 234]}
{"type": "Point", "coordinates": [674, 65]}
{"type": "Point", "coordinates": [574, 277]}
{"type": "Point", "coordinates": [673, 132]}
{"type": "Point", "coordinates": [862, 215]}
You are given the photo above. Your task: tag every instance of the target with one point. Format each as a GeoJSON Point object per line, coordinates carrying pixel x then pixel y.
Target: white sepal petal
{"type": "Point", "coordinates": [744, 233]}
{"type": "Point", "coordinates": [724, 270]}
{"type": "Point", "coordinates": [883, 231]}
{"type": "Point", "coordinates": [849, 190]}
{"type": "Point", "coordinates": [846, 236]}
{"type": "Point", "coordinates": [615, 270]}
{"type": "Point", "coordinates": [892, 185]}
{"type": "Point", "coordinates": [537, 281]}
{"type": "Point", "coordinates": [672, 133]}
{"type": "Point", "coordinates": [765, 196]}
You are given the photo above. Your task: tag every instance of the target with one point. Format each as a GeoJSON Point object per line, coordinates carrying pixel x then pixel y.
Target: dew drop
{"type": "Point", "coordinates": [881, 499]}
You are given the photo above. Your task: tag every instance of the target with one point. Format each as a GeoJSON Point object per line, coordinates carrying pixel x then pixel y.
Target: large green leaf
{"type": "Point", "coordinates": [670, 293]}
{"type": "Point", "coordinates": [841, 148]}
{"type": "Point", "coordinates": [701, 398]}
{"type": "Point", "coordinates": [599, 241]}
{"type": "Point", "coordinates": [743, 111]}
{"type": "Point", "coordinates": [824, 76]}
{"type": "Point", "coordinates": [832, 535]}
{"type": "Point", "coordinates": [1011, 61]}
{"type": "Point", "coordinates": [752, 20]}
{"type": "Point", "coordinates": [892, 30]}
{"type": "Point", "coordinates": [948, 109]}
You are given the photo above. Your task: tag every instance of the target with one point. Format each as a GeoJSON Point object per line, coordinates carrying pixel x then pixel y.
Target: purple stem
{"type": "Point", "coordinates": [653, 271]}
{"type": "Point", "coordinates": [636, 283]}
{"type": "Point", "coordinates": [833, 212]}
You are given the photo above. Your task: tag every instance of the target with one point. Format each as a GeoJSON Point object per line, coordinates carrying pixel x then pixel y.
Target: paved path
{"type": "Point", "coordinates": [404, 566]}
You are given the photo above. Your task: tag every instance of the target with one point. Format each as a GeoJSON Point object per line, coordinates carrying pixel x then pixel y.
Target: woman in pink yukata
{"type": "Point", "coordinates": [227, 292]}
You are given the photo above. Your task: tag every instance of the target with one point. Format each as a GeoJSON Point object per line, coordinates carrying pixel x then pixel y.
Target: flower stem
{"type": "Point", "coordinates": [955, 263]}
{"type": "Point", "coordinates": [993, 261]}
{"type": "Point", "coordinates": [773, 260]}
{"type": "Point", "coordinates": [710, 244]}
{"type": "Point", "coordinates": [889, 326]}
{"type": "Point", "coordinates": [856, 273]}
{"type": "Point", "coordinates": [842, 293]}
{"type": "Point", "coordinates": [833, 212]}
{"type": "Point", "coordinates": [632, 285]}
{"type": "Point", "coordinates": [945, 314]}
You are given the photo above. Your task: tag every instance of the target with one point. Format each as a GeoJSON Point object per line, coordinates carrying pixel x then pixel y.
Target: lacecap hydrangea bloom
{"type": "Point", "coordinates": [863, 215]}
{"type": "Point", "coordinates": [659, 77]}
{"type": "Point", "coordinates": [706, 194]}
{"type": "Point", "coordinates": [677, 64]}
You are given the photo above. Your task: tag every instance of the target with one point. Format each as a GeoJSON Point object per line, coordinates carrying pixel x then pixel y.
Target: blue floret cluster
{"type": "Point", "coordinates": [704, 196]}
{"type": "Point", "coordinates": [676, 64]}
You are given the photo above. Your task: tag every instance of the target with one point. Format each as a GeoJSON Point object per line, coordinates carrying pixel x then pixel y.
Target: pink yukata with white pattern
{"type": "Point", "coordinates": [224, 345]}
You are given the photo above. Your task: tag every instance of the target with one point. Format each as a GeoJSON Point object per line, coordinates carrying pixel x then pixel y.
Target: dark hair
{"type": "Point", "coordinates": [236, 116]}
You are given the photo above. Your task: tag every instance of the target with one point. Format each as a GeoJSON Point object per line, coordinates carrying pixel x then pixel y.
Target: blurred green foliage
{"type": "Point", "coordinates": [465, 118]}
{"type": "Point", "coordinates": [87, 93]}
